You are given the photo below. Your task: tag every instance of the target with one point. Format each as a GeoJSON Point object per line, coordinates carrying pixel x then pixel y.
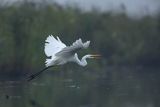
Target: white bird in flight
{"type": "Point", "coordinates": [58, 53]}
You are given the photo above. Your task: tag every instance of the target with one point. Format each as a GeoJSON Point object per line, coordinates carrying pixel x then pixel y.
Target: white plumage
{"type": "Point", "coordinates": [59, 53]}
{"type": "Point", "coordinates": [52, 45]}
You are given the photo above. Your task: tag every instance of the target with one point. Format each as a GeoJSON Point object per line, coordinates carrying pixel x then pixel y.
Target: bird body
{"type": "Point", "coordinates": [58, 53]}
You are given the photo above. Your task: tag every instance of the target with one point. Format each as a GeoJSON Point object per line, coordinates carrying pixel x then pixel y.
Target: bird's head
{"type": "Point", "coordinates": [83, 61]}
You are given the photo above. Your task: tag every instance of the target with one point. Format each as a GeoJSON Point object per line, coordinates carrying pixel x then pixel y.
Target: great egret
{"type": "Point", "coordinates": [60, 54]}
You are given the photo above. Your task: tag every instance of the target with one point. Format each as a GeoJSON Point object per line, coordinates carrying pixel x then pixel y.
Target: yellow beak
{"type": "Point", "coordinates": [96, 56]}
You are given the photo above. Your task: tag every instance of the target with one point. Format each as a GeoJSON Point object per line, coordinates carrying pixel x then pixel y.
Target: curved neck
{"type": "Point", "coordinates": [81, 62]}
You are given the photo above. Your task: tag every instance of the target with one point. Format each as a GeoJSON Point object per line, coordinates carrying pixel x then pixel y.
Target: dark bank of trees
{"type": "Point", "coordinates": [120, 40]}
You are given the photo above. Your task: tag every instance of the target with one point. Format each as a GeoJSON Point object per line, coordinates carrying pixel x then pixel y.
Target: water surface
{"type": "Point", "coordinates": [107, 87]}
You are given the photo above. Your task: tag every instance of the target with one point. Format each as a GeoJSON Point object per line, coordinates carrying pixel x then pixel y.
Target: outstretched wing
{"type": "Point", "coordinates": [71, 50]}
{"type": "Point", "coordinates": [53, 46]}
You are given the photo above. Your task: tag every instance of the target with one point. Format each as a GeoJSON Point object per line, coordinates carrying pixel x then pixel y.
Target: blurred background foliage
{"type": "Point", "coordinates": [126, 76]}
{"type": "Point", "coordinates": [120, 40]}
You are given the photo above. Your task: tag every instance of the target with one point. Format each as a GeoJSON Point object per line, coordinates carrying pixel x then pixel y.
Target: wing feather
{"type": "Point", "coordinates": [71, 50]}
{"type": "Point", "coordinates": [53, 46]}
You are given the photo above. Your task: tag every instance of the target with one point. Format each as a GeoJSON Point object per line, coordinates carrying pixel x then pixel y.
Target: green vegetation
{"type": "Point", "coordinates": [121, 40]}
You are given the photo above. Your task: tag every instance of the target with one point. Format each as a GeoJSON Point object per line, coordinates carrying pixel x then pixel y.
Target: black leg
{"type": "Point", "coordinates": [38, 73]}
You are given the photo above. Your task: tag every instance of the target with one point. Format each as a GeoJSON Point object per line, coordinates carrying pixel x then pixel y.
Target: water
{"type": "Point", "coordinates": [111, 87]}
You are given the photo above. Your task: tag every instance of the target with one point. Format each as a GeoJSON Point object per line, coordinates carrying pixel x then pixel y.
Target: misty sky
{"type": "Point", "coordinates": [133, 7]}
